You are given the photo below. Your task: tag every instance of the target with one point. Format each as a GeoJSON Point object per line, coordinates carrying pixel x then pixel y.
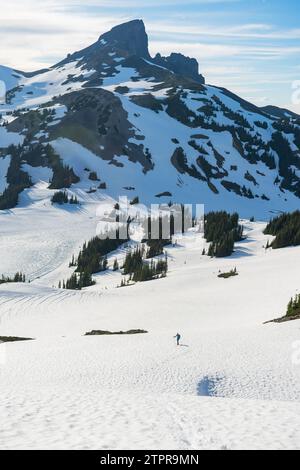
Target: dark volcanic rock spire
{"type": "Point", "coordinates": [130, 37]}
{"type": "Point", "coordinates": [181, 65]}
{"type": "Point", "coordinates": [130, 40]}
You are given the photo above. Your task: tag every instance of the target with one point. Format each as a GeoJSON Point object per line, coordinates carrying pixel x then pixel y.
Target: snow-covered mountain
{"type": "Point", "coordinates": [149, 127]}
{"type": "Point", "coordinates": [111, 120]}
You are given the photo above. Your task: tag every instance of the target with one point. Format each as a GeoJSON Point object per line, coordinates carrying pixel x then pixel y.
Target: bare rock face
{"type": "Point", "coordinates": [181, 65]}
{"type": "Point", "coordinates": [130, 37]}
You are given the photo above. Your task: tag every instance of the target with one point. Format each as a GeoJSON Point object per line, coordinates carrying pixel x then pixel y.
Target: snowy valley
{"type": "Point", "coordinates": [231, 373]}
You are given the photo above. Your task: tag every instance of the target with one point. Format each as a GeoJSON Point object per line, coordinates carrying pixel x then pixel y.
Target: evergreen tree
{"type": "Point", "coordinates": [133, 261]}
{"type": "Point", "coordinates": [135, 201]}
{"type": "Point", "coordinates": [18, 277]}
{"type": "Point", "coordinates": [116, 265]}
{"type": "Point", "coordinates": [92, 256]}
{"type": "Point", "coordinates": [286, 229]}
{"type": "Point", "coordinates": [93, 176]}
{"type": "Point", "coordinates": [293, 308]}
{"type": "Point", "coordinates": [16, 178]}
{"type": "Point", "coordinates": [79, 281]}
{"type": "Point", "coordinates": [73, 262]}
{"type": "Point", "coordinates": [222, 230]}
{"type": "Point", "coordinates": [60, 197]}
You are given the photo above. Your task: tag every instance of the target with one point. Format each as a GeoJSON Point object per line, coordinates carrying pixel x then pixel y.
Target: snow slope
{"type": "Point", "coordinates": [232, 384]}
{"type": "Point", "coordinates": [4, 165]}
{"type": "Point", "coordinates": [10, 77]}
{"type": "Point", "coordinates": [9, 138]}
{"type": "Point", "coordinates": [36, 226]}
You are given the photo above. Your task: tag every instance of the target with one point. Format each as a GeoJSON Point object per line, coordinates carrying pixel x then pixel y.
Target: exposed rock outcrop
{"type": "Point", "coordinates": [180, 64]}
{"type": "Point", "coordinates": [130, 37]}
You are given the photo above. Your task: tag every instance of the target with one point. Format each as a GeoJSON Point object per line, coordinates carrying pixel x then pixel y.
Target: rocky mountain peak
{"type": "Point", "coordinates": [181, 64]}
{"type": "Point", "coordinates": [130, 37]}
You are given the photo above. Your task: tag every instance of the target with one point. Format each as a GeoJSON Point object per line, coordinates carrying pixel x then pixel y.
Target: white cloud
{"type": "Point", "coordinates": [32, 30]}
{"type": "Point", "coordinates": [242, 31]}
{"type": "Point", "coordinates": [213, 51]}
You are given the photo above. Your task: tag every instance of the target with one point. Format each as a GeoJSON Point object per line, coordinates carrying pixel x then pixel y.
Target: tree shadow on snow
{"type": "Point", "coordinates": [207, 386]}
{"type": "Point", "coordinates": [241, 250]}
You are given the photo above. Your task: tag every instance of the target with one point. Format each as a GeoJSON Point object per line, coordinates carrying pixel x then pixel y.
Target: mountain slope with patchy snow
{"type": "Point", "coordinates": [143, 124]}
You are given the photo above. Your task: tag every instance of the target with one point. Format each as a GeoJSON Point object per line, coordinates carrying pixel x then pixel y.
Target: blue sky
{"type": "Point", "coordinates": [251, 47]}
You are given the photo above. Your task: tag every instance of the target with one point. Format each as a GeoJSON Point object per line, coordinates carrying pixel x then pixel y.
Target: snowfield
{"type": "Point", "coordinates": [233, 383]}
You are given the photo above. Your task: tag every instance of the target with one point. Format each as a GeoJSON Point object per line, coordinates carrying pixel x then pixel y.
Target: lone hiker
{"type": "Point", "coordinates": [177, 338]}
